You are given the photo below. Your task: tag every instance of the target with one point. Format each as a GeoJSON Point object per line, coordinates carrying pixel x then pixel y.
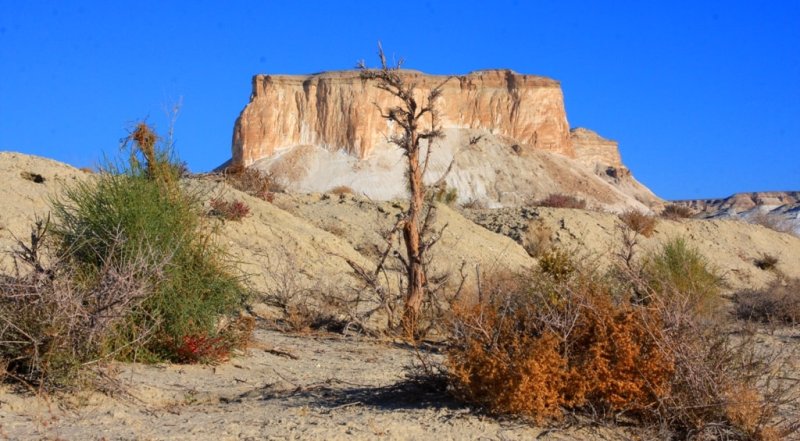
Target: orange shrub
{"type": "Point", "coordinates": [229, 210]}
{"type": "Point", "coordinates": [639, 222]}
{"type": "Point", "coordinates": [536, 355]}
{"type": "Point", "coordinates": [544, 344]}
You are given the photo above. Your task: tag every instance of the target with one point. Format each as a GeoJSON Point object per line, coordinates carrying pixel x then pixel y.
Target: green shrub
{"type": "Point", "coordinates": [144, 204]}
{"type": "Point", "coordinates": [446, 195]}
{"type": "Point", "coordinates": [681, 270]}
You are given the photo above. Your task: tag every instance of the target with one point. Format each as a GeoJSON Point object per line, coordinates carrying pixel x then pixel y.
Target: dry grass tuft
{"type": "Point", "coordinates": [767, 262]}
{"type": "Point", "coordinates": [252, 181]}
{"type": "Point", "coordinates": [560, 200]}
{"type": "Point", "coordinates": [778, 303]}
{"type": "Point", "coordinates": [675, 212]}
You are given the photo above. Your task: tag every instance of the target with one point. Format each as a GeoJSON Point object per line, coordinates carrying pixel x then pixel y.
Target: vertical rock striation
{"type": "Point", "coordinates": [337, 111]}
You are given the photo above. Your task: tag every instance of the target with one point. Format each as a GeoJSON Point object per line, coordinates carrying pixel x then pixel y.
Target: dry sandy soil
{"type": "Point", "coordinates": [287, 387]}
{"type": "Point", "coordinates": [331, 387]}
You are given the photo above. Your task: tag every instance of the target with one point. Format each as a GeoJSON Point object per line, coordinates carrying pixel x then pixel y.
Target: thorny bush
{"type": "Point", "coordinates": [544, 345]}
{"type": "Point", "coordinates": [132, 270]}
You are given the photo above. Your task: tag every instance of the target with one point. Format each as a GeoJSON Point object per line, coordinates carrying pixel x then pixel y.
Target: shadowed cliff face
{"type": "Point", "coordinates": [337, 111]}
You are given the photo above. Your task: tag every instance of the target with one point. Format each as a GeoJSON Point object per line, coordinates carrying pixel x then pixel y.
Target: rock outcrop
{"type": "Point", "coordinates": [780, 209]}
{"type": "Point", "coordinates": [507, 137]}
{"type": "Point", "coordinates": [592, 149]}
{"type": "Point", "coordinates": [337, 111]}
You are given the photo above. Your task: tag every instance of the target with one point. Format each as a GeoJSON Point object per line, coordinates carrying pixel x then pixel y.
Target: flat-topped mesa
{"type": "Point", "coordinates": [337, 111]}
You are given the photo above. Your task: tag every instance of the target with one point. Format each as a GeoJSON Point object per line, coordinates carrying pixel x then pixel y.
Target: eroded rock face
{"type": "Point", "coordinates": [781, 208]}
{"type": "Point", "coordinates": [592, 149]}
{"type": "Point", "coordinates": [337, 111]}
{"type": "Point", "coordinates": [507, 140]}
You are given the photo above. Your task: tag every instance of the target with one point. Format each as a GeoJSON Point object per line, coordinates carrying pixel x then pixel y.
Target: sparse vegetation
{"type": "Point", "coordinates": [675, 212]}
{"type": "Point", "coordinates": [767, 262]}
{"type": "Point", "coordinates": [235, 210]}
{"type": "Point", "coordinates": [560, 200]}
{"type": "Point", "coordinates": [446, 195]}
{"type": "Point", "coordinates": [778, 303]}
{"type": "Point", "coordinates": [546, 345]}
{"type": "Point", "coordinates": [639, 222]}
{"type": "Point", "coordinates": [252, 181]}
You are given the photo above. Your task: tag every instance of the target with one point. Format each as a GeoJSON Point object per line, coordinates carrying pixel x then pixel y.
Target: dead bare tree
{"type": "Point", "coordinates": [418, 123]}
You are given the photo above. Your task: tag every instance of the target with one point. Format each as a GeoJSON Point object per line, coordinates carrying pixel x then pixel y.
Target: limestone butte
{"type": "Point", "coordinates": [506, 136]}
{"type": "Point", "coordinates": [337, 111]}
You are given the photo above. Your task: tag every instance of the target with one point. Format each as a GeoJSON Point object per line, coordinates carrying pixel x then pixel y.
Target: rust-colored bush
{"type": "Point", "coordinates": [340, 190]}
{"type": "Point", "coordinates": [540, 346]}
{"type": "Point", "coordinates": [560, 200]}
{"type": "Point", "coordinates": [252, 181]}
{"type": "Point", "coordinates": [541, 351]}
{"type": "Point", "coordinates": [505, 370]}
{"type": "Point", "coordinates": [229, 210]}
{"type": "Point", "coordinates": [639, 222]}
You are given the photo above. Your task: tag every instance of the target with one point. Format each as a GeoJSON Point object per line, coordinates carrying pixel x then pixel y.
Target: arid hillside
{"type": "Point", "coordinates": [320, 231]}
{"type": "Point", "coordinates": [298, 253]}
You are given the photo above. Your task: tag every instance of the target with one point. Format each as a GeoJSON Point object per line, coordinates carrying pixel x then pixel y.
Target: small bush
{"type": "Point", "coordinates": [557, 263]}
{"type": "Point", "coordinates": [537, 239]}
{"type": "Point", "coordinates": [766, 262]}
{"type": "Point", "coordinates": [253, 182]}
{"type": "Point", "coordinates": [559, 200]}
{"type": "Point", "coordinates": [543, 347]}
{"type": "Point", "coordinates": [675, 212]}
{"type": "Point", "coordinates": [474, 204]}
{"type": "Point", "coordinates": [54, 321]}
{"type": "Point", "coordinates": [778, 303]}
{"type": "Point", "coordinates": [229, 210]}
{"type": "Point", "coordinates": [446, 195]}
{"type": "Point", "coordinates": [340, 190]}
{"type": "Point", "coordinates": [33, 177]}
{"type": "Point", "coordinates": [681, 270]}
{"type": "Point", "coordinates": [639, 222]}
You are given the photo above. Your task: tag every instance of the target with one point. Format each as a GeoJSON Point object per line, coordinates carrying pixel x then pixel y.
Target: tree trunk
{"type": "Point", "coordinates": [411, 234]}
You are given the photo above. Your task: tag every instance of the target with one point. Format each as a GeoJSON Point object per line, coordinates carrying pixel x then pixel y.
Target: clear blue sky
{"type": "Point", "coordinates": [704, 97]}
